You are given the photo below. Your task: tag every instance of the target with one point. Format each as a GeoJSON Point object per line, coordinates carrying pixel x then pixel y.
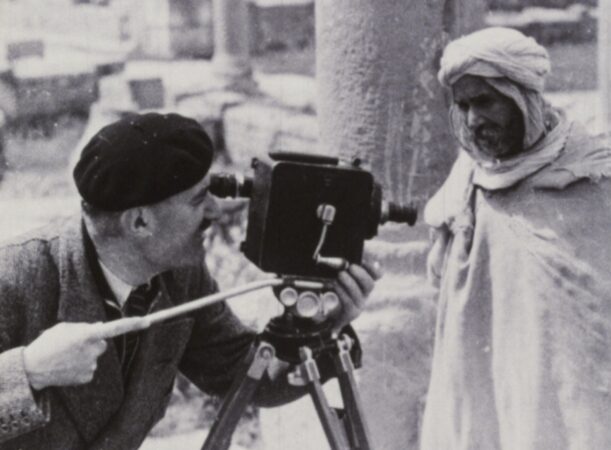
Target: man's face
{"type": "Point", "coordinates": [494, 122]}
{"type": "Point", "coordinates": [180, 222]}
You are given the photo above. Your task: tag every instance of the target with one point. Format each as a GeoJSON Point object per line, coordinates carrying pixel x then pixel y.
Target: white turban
{"type": "Point", "coordinates": [496, 53]}
{"type": "Point", "coordinates": [513, 64]}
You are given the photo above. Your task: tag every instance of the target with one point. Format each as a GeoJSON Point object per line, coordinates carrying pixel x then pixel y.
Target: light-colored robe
{"type": "Point", "coordinates": [522, 357]}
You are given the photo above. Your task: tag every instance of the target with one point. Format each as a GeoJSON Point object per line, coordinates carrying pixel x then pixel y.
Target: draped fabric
{"type": "Point", "coordinates": [495, 53]}
{"type": "Point", "coordinates": [522, 357]}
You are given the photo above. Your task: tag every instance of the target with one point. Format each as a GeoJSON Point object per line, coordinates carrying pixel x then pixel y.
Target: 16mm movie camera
{"type": "Point", "coordinates": [308, 218]}
{"type": "Point", "coordinates": [309, 215]}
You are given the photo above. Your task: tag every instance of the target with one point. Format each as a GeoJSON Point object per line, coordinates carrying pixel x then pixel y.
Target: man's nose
{"type": "Point", "coordinates": [474, 119]}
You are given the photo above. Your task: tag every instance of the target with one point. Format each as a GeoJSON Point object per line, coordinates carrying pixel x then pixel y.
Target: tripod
{"type": "Point", "coordinates": [345, 428]}
{"type": "Point", "coordinates": [293, 337]}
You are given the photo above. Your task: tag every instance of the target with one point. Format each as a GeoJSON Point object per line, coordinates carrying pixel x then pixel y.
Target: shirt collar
{"type": "Point", "coordinates": [119, 288]}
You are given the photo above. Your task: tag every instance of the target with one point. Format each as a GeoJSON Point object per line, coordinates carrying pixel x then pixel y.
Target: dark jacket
{"type": "Point", "coordinates": [45, 279]}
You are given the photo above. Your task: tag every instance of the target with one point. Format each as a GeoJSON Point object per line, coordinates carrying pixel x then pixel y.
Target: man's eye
{"type": "Point", "coordinates": [198, 200]}
{"type": "Point", "coordinates": [463, 106]}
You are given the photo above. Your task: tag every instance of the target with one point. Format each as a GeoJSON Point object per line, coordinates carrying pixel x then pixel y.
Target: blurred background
{"type": "Point", "coordinates": [264, 75]}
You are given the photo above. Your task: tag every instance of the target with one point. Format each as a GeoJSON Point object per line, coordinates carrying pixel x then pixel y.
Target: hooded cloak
{"type": "Point", "coordinates": [522, 357]}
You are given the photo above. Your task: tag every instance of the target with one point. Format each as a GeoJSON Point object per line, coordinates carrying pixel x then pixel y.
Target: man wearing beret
{"type": "Point", "coordinates": [522, 357]}
{"type": "Point", "coordinates": [136, 248]}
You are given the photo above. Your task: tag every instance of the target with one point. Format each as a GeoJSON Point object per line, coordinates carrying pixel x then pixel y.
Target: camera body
{"type": "Point", "coordinates": [302, 206]}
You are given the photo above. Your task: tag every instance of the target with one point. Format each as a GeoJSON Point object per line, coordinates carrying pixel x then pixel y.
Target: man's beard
{"type": "Point", "coordinates": [495, 141]}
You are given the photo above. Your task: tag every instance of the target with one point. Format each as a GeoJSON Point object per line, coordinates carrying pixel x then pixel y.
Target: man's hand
{"type": "Point", "coordinates": [353, 286]}
{"type": "Point", "coordinates": [67, 353]}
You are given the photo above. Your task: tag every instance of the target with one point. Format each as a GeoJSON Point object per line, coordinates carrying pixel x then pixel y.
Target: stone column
{"type": "Point", "coordinates": [379, 100]}
{"type": "Point", "coordinates": [231, 60]}
{"type": "Point", "coordinates": [378, 97]}
{"type": "Point", "coordinates": [604, 62]}
{"type": "Point", "coordinates": [462, 18]}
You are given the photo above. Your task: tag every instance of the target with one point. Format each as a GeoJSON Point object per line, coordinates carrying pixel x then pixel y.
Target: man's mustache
{"type": "Point", "coordinates": [206, 223]}
{"type": "Point", "coordinates": [486, 131]}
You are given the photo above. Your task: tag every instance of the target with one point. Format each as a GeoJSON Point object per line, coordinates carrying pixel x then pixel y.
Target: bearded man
{"type": "Point", "coordinates": [136, 248]}
{"type": "Point", "coordinates": [522, 258]}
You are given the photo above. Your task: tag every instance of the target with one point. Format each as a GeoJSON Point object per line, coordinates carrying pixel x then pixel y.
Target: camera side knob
{"type": "Point", "coordinates": [330, 302]}
{"type": "Point", "coordinates": [308, 304]}
{"type": "Point", "coordinates": [288, 297]}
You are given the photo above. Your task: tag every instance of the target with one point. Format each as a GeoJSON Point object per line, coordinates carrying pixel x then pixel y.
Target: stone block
{"type": "Point", "coordinates": [8, 96]}
{"type": "Point", "coordinates": [292, 90]}
{"type": "Point", "coordinates": [24, 49]}
{"type": "Point", "coordinates": [254, 129]}
{"type": "Point", "coordinates": [171, 29]}
{"type": "Point", "coordinates": [281, 25]}
{"type": "Point", "coordinates": [211, 105]}
{"type": "Point", "coordinates": [55, 94]}
{"type": "Point", "coordinates": [107, 68]}
{"type": "Point", "coordinates": [147, 93]}
{"type": "Point", "coordinates": [208, 109]}
{"type": "Point", "coordinates": [115, 94]}
{"type": "Point", "coordinates": [576, 23]}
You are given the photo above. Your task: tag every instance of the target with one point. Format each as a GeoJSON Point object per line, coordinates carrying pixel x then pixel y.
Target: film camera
{"type": "Point", "coordinates": [308, 218]}
{"type": "Point", "coordinates": [309, 215]}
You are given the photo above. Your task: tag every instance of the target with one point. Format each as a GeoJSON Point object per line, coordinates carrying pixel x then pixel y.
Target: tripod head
{"type": "Point", "coordinates": [305, 321]}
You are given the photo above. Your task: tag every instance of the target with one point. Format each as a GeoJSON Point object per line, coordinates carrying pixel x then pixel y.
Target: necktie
{"type": "Point", "coordinates": [138, 303]}
{"type": "Point", "coordinates": [139, 300]}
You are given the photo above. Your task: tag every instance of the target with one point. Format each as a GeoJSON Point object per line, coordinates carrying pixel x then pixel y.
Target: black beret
{"type": "Point", "coordinates": [142, 159]}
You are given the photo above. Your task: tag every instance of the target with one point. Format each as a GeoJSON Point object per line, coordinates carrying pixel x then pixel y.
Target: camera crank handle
{"type": "Point", "coordinates": [326, 213]}
{"type": "Point", "coordinates": [332, 262]}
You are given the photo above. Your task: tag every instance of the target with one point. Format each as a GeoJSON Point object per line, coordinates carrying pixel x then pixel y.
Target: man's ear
{"type": "Point", "coordinates": [138, 221]}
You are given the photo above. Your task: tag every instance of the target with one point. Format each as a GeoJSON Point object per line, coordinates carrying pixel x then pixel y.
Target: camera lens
{"type": "Point", "coordinates": [391, 212]}
{"type": "Point", "coordinates": [225, 185]}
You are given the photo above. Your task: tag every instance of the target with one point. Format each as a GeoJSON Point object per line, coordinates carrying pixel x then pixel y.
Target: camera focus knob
{"type": "Point", "coordinates": [288, 297]}
{"type": "Point", "coordinates": [308, 304]}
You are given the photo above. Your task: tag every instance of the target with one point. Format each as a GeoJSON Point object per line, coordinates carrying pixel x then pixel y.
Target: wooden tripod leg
{"type": "Point", "coordinates": [238, 397]}
{"type": "Point", "coordinates": [356, 427]}
{"type": "Point", "coordinates": [307, 374]}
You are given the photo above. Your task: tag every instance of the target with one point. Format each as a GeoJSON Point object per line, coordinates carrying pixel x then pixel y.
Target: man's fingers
{"type": "Point", "coordinates": [118, 327]}
{"type": "Point", "coordinates": [371, 264]}
{"type": "Point", "coordinates": [363, 278]}
{"type": "Point", "coordinates": [374, 268]}
{"type": "Point", "coordinates": [351, 287]}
